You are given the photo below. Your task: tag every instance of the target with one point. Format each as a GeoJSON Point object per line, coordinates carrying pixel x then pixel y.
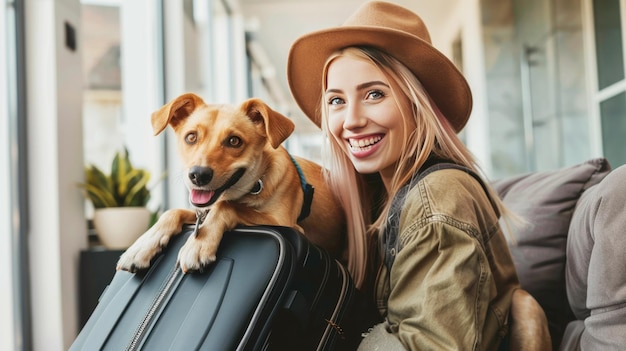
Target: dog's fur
{"type": "Point", "coordinates": [529, 325]}
{"type": "Point", "coordinates": [225, 151]}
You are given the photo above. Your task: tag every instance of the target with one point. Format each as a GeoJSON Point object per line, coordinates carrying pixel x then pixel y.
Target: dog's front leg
{"type": "Point", "coordinates": [200, 249]}
{"type": "Point", "coordinates": [142, 251]}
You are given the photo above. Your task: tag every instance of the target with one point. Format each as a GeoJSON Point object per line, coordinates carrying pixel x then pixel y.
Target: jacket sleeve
{"type": "Point", "coordinates": [441, 286]}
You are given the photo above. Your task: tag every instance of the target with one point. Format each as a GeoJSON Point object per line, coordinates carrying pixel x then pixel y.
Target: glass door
{"type": "Point", "coordinates": [609, 93]}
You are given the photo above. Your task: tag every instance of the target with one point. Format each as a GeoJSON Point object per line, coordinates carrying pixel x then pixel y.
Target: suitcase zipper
{"type": "Point", "coordinates": [154, 308]}
{"type": "Point", "coordinates": [335, 318]}
{"type": "Point", "coordinates": [174, 276]}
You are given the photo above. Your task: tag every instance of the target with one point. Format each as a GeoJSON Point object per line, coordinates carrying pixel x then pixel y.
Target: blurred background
{"type": "Point", "coordinates": [79, 80]}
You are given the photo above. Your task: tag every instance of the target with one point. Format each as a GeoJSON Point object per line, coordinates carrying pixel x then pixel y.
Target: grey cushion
{"type": "Point", "coordinates": [547, 200]}
{"type": "Point", "coordinates": [596, 265]}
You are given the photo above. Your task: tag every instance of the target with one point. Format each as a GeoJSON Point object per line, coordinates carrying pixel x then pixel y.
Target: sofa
{"type": "Point", "coordinates": [570, 250]}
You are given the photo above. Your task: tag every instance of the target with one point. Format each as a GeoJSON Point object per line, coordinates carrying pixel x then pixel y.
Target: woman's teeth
{"type": "Point", "coordinates": [365, 143]}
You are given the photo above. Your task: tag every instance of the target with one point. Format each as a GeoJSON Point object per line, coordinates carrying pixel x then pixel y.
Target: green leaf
{"type": "Point", "coordinates": [138, 193]}
{"type": "Point", "coordinates": [98, 179]}
{"type": "Point", "coordinates": [99, 197]}
{"type": "Point", "coordinates": [124, 186]}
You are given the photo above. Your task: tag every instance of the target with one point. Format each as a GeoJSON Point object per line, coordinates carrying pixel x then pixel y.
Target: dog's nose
{"type": "Point", "coordinates": [200, 175]}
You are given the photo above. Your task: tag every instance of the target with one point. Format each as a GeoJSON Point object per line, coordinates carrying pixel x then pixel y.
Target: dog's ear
{"type": "Point", "coordinates": [175, 111]}
{"type": "Point", "coordinates": [277, 126]}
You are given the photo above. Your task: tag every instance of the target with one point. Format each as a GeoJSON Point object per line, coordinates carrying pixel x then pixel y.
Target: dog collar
{"type": "Point", "coordinates": [258, 187]}
{"type": "Point", "coordinates": [307, 189]}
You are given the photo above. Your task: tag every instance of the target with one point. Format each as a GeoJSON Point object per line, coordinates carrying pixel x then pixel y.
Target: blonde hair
{"type": "Point", "coordinates": [427, 132]}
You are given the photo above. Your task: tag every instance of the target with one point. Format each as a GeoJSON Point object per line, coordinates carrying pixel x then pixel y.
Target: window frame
{"type": "Point", "coordinates": [16, 325]}
{"type": "Point", "coordinates": [596, 95]}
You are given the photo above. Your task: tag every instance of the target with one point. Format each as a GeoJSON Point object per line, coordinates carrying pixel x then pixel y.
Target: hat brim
{"type": "Point", "coordinates": [442, 80]}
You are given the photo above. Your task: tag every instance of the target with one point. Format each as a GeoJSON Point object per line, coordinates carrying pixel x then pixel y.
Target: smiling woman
{"type": "Point", "coordinates": [392, 108]}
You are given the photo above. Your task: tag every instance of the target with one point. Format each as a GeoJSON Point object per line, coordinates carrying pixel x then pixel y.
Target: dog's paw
{"type": "Point", "coordinates": [140, 254]}
{"type": "Point", "coordinates": [197, 254]}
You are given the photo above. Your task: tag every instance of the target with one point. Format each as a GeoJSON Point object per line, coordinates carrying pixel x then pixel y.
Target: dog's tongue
{"type": "Point", "coordinates": [200, 197]}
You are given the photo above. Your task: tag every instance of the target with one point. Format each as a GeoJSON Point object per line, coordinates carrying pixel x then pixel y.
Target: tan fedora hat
{"type": "Point", "coordinates": [394, 30]}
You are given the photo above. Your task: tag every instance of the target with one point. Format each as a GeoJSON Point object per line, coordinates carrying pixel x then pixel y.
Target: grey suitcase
{"type": "Point", "coordinates": [270, 289]}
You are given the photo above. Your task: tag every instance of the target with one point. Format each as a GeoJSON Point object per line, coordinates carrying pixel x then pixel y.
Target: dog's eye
{"type": "Point", "coordinates": [234, 141]}
{"type": "Point", "coordinates": [191, 138]}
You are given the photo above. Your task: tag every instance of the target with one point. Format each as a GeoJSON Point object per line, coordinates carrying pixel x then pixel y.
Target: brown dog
{"type": "Point", "coordinates": [237, 168]}
{"type": "Point", "coordinates": [529, 326]}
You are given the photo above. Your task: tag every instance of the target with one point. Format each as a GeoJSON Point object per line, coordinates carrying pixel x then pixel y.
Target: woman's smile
{"type": "Point", "coordinates": [364, 146]}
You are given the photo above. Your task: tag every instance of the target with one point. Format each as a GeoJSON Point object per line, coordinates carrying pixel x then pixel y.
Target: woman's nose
{"type": "Point", "coordinates": [354, 117]}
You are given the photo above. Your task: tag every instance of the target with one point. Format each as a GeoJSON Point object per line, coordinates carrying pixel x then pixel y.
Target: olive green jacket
{"type": "Point", "coordinates": [451, 284]}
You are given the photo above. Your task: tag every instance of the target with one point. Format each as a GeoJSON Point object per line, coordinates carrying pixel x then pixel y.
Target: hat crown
{"type": "Point", "coordinates": [389, 16]}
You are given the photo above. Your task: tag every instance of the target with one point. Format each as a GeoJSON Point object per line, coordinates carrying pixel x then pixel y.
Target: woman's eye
{"type": "Point", "coordinates": [191, 138]}
{"type": "Point", "coordinates": [233, 141]}
{"type": "Point", "coordinates": [335, 101]}
{"type": "Point", "coordinates": [375, 94]}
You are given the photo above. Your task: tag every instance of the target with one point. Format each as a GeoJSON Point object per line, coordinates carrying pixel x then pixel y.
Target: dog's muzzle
{"type": "Point", "coordinates": [202, 176]}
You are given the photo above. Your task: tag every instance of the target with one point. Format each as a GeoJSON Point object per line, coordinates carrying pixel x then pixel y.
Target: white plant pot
{"type": "Point", "coordinates": [119, 227]}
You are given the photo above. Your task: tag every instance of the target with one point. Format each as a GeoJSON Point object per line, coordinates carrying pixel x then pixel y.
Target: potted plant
{"type": "Point", "coordinates": [119, 200]}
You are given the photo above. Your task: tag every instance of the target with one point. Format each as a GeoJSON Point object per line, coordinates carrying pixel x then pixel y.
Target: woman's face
{"type": "Point", "coordinates": [363, 116]}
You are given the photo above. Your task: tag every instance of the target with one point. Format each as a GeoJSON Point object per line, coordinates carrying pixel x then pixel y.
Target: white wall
{"type": "Point", "coordinates": [175, 74]}
{"type": "Point", "coordinates": [465, 21]}
{"type": "Point", "coordinates": [57, 229]}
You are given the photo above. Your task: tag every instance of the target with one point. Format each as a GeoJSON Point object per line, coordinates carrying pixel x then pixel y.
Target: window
{"type": "Point", "coordinates": [123, 85]}
{"type": "Point", "coordinates": [608, 38]}
{"type": "Point", "coordinates": [609, 92]}
{"type": "Point", "coordinates": [613, 122]}
{"type": "Point", "coordinates": [14, 323]}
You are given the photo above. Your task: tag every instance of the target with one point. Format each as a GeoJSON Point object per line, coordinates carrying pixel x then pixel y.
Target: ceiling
{"type": "Point", "coordinates": [277, 23]}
